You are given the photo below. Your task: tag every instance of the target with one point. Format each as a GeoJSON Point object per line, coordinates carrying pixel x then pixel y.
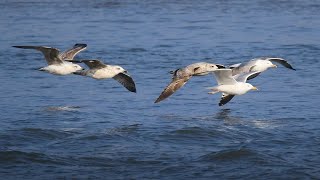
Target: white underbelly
{"type": "Point", "coordinates": [232, 89]}
{"type": "Point", "coordinates": [103, 74]}
{"type": "Point", "coordinates": [59, 69]}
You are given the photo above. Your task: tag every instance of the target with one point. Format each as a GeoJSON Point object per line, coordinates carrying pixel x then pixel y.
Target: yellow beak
{"type": "Point", "coordinates": [254, 88]}
{"type": "Point", "coordinates": [274, 66]}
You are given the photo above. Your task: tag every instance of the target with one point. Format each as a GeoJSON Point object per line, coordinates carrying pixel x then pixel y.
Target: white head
{"type": "Point", "coordinates": [250, 87]}
{"type": "Point", "coordinates": [119, 69]}
{"type": "Point", "coordinates": [76, 67]}
{"type": "Point", "coordinates": [262, 65]}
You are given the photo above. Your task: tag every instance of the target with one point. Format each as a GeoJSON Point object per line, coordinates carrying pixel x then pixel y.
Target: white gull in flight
{"type": "Point", "coordinates": [58, 62]}
{"type": "Point", "coordinates": [232, 85]}
{"type": "Point", "coordinates": [99, 70]}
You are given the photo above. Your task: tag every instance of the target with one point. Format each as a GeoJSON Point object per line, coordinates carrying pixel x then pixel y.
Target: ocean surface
{"type": "Point", "coordinates": [76, 127]}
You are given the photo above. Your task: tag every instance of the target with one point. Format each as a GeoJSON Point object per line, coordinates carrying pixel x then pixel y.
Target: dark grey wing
{"type": "Point", "coordinates": [126, 81]}
{"type": "Point", "coordinates": [94, 64]}
{"type": "Point", "coordinates": [225, 98]}
{"type": "Point", "coordinates": [246, 76]}
{"type": "Point", "coordinates": [175, 84]}
{"type": "Point", "coordinates": [282, 62]}
{"type": "Point", "coordinates": [70, 53]}
{"type": "Point", "coordinates": [51, 54]}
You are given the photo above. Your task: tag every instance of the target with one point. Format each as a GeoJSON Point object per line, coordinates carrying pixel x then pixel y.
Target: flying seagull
{"type": "Point", "coordinates": [259, 65]}
{"type": "Point", "coordinates": [57, 62]}
{"type": "Point", "coordinates": [181, 76]}
{"type": "Point", "coordinates": [255, 65]}
{"type": "Point", "coordinates": [231, 85]}
{"type": "Point", "coordinates": [99, 70]}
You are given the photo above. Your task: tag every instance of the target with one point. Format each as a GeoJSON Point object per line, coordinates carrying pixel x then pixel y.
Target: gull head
{"type": "Point", "coordinates": [205, 69]}
{"type": "Point", "coordinates": [119, 69]}
{"type": "Point", "coordinates": [250, 87]}
{"type": "Point", "coordinates": [77, 67]}
{"type": "Point", "coordinates": [262, 65]}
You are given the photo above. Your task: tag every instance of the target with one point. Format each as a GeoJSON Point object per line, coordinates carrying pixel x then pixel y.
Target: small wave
{"type": "Point", "coordinates": [8, 157]}
{"type": "Point", "coordinates": [123, 129]}
{"type": "Point", "coordinates": [136, 50]}
{"type": "Point", "coordinates": [63, 108]}
{"type": "Point", "coordinates": [228, 154]}
{"type": "Point", "coordinates": [40, 134]}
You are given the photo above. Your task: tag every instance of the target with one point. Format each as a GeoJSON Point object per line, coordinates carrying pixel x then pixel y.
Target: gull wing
{"type": "Point", "coordinates": [70, 53]}
{"type": "Point", "coordinates": [175, 84]}
{"type": "Point", "coordinates": [242, 67]}
{"type": "Point", "coordinates": [51, 54]}
{"type": "Point", "coordinates": [224, 77]}
{"type": "Point", "coordinates": [282, 62]}
{"type": "Point", "coordinates": [225, 98]}
{"type": "Point", "coordinates": [126, 81]}
{"type": "Point", "coordinates": [245, 76]}
{"type": "Point", "coordinates": [234, 65]}
{"type": "Point", "coordinates": [94, 64]}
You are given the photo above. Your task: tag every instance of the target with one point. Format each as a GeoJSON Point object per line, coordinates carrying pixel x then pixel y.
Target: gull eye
{"type": "Point", "coordinates": [118, 68]}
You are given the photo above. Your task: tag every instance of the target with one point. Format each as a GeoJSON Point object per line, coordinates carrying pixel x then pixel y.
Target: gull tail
{"type": "Point", "coordinates": [213, 90]}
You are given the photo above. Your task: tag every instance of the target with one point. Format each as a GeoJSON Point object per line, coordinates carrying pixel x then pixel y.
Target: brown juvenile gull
{"type": "Point", "coordinates": [57, 62]}
{"type": "Point", "coordinates": [99, 70]}
{"type": "Point", "coordinates": [182, 75]}
{"type": "Point", "coordinates": [232, 85]}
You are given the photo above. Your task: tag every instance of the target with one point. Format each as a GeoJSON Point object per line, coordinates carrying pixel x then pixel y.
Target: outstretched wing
{"type": "Point", "coordinates": [246, 76]}
{"type": "Point", "coordinates": [126, 81]}
{"type": "Point", "coordinates": [242, 67]}
{"type": "Point", "coordinates": [175, 84]}
{"type": "Point", "coordinates": [51, 54]}
{"type": "Point", "coordinates": [225, 98]}
{"type": "Point", "coordinates": [94, 64]}
{"type": "Point", "coordinates": [70, 53]}
{"type": "Point", "coordinates": [224, 77]}
{"type": "Point", "coordinates": [282, 62]}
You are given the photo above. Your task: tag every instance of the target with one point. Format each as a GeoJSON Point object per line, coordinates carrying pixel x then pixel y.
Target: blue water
{"type": "Point", "coordinates": [76, 127]}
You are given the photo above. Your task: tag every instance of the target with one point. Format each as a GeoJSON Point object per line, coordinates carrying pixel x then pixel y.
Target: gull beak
{"type": "Point", "coordinates": [274, 66]}
{"type": "Point", "coordinates": [254, 88]}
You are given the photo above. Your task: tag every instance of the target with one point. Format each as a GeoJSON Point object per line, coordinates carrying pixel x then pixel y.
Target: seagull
{"type": "Point", "coordinates": [99, 70]}
{"type": "Point", "coordinates": [182, 75]}
{"type": "Point", "coordinates": [231, 85]}
{"type": "Point", "coordinates": [58, 62]}
{"type": "Point", "coordinates": [258, 64]}
{"type": "Point", "coordinates": [255, 65]}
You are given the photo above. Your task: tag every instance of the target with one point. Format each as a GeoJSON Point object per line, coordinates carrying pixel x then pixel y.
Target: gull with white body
{"type": "Point", "coordinates": [181, 76]}
{"type": "Point", "coordinates": [99, 70]}
{"type": "Point", "coordinates": [258, 65]}
{"type": "Point", "coordinates": [232, 85]}
{"type": "Point", "coordinates": [58, 62]}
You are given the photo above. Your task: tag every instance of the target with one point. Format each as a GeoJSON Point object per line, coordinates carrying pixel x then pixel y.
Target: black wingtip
{"type": "Point", "coordinates": [220, 66]}
{"type": "Point", "coordinates": [80, 45]}
{"type": "Point", "coordinates": [158, 100]}
{"type": "Point", "coordinates": [75, 61]}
